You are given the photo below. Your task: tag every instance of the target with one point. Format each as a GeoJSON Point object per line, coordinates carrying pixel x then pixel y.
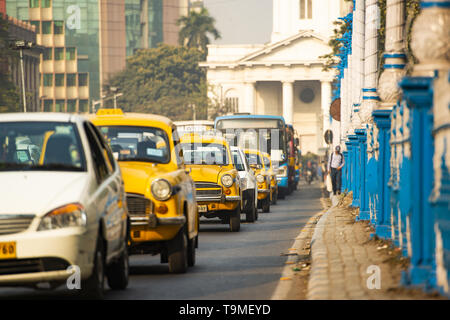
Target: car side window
{"type": "Point", "coordinates": [100, 166]}
{"type": "Point", "coordinates": [107, 153]}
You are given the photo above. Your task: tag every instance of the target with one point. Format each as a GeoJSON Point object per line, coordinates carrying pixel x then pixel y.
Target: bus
{"type": "Point", "coordinates": [265, 133]}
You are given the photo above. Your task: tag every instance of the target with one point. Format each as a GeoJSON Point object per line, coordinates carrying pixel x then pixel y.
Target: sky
{"type": "Point", "coordinates": [241, 21]}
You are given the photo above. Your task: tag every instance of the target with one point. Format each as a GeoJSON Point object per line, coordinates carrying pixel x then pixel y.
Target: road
{"type": "Point", "coordinates": [243, 265]}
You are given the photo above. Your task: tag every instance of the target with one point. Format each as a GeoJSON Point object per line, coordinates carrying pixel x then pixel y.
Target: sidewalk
{"type": "Point", "coordinates": [341, 253]}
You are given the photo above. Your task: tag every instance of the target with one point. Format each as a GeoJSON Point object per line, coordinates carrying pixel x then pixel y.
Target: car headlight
{"type": "Point", "coordinates": [161, 189]}
{"type": "Point", "coordinates": [227, 180]}
{"type": "Point", "coordinates": [260, 178]}
{"type": "Point", "coordinates": [282, 171]}
{"type": "Point", "coordinates": [71, 215]}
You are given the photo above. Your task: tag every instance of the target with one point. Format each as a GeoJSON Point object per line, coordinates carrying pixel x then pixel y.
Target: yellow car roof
{"type": "Point", "coordinates": [198, 138]}
{"type": "Point", "coordinates": [117, 117]}
{"type": "Point", "coordinates": [253, 151]}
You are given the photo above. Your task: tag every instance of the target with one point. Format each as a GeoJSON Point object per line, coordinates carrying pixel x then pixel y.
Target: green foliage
{"type": "Point", "coordinates": [196, 28]}
{"type": "Point", "coordinates": [331, 59]}
{"type": "Point", "coordinates": [166, 80]}
{"type": "Point", "coordinates": [9, 95]}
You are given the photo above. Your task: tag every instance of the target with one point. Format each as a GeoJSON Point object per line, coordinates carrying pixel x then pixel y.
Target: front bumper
{"type": "Point", "coordinates": [74, 246]}
{"type": "Point", "coordinates": [221, 199]}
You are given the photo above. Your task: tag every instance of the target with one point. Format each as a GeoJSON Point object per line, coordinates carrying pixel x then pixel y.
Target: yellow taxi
{"type": "Point", "coordinates": [273, 178]}
{"type": "Point", "coordinates": [160, 193]}
{"type": "Point", "coordinates": [256, 161]}
{"type": "Point", "coordinates": [217, 185]}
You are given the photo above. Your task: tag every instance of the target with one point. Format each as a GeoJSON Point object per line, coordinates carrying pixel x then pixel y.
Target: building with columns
{"type": "Point", "coordinates": [285, 76]}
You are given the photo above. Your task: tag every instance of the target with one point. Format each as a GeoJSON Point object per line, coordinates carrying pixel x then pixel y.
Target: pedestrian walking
{"type": "Point", "coordinates": [335, 164]}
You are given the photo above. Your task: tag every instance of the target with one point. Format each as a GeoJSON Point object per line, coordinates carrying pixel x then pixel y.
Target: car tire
{"type": "Point", "coordinates": [178, 253]}
{"type": "Point", "coordinates": [191, 251]}
{"type": "Point", "coordinates": [266, 205]}
{"type": "Point", "coordinates": [235, 220]}
{"type": "Point", "coordinates": [250, 214]}
{"type": "Point", "coordinates": [275, 197]}
{"type": "Point", "coordinates": [119, 271]}
{"type": "Point", "coordinates": [94, 286]}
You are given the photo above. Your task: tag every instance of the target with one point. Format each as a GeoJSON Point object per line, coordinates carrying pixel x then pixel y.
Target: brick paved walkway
{"type": "Point", "coordinates": [340, 258]}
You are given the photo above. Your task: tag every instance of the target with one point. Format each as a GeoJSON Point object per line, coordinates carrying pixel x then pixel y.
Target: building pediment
{"type": "Point", "coordinates": [305, 46]}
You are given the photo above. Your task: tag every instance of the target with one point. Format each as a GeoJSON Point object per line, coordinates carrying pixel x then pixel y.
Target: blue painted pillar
{"type": "Point", "coordinates": [353, 169]}
{"type": "Point", "coordinates": [383, 122]}
{"type": "Point", "coordinates": [364, 213]}
{"type": "Point", "coordinates": [418, 92]}
{"type": "Point", "coordinates": [345, 171]}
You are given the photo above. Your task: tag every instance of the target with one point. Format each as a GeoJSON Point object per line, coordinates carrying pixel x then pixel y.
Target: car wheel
{"type": "Point", "coordinates": [266, 205]}
{"type": "Point", "coordinates": [250, 215]}
{"type": "Point", "coordinates": [178, 253]}
{"type": "Point", "coordinates": [191, 251]}
{"type": "Point", "coordinates": [275, 197]}
{"type": "Point", "coordinates": [94, 286]}
{"type": "Point", "coordinates": [235, 220]}
{"type": "Point", "coordinates": [119, 271]}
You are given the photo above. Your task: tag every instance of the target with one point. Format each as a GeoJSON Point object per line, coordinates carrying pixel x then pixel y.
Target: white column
{"type": "Point", "coordinates": [249, 103]}
{"type": "Point", "coordinates": [370, 61]}
{"type": "Point", "coordinates": [394, 57]}
{"type": "Point", "coordinates": [326, 102]}
{"type": "Point", "coordinates": [358, 46]}
{"type": "Point", "coordinates": [288, 101]}
{"type": "Point", "coordinates": [344, 106]}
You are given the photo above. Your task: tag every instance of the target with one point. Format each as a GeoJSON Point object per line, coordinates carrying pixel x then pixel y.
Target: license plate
{"type": "Point", "coordinates": [203, 209]}
{"type": "Point", "coordinates": [7, 250]}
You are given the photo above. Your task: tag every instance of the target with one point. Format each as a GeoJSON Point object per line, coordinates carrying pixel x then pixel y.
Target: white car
{"type": "Point", "coordinates": [248, 184]}
{"type": "Point", "coordinates": [63, 208]}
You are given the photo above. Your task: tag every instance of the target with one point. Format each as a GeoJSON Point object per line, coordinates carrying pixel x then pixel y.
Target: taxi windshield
{"type": "Point", "coordinates": [129, 143]}
{"type": "Point", "coordinates": [51, 146]}
{"type": "Point", "coordinates": [205, 153]}
{"type": "Point", "coordinates": [253, 159]}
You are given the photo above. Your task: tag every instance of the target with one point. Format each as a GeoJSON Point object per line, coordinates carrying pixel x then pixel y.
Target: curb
{"type": "Point", "coordinates": [318, 278]}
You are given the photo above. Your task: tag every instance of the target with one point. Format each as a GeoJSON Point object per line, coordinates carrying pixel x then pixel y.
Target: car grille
{"type": "Point", "coordinates": [19, 266]}
{"type": "Point", "coordinates": [10, 224]}
{"type": "Point", "coordinates": [208, 191]}
{"type": "Point", "coordinates": [139, 208]}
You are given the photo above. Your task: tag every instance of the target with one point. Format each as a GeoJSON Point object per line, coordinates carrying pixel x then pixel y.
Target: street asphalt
{"type": "Point", "coordinates": [243, 265]}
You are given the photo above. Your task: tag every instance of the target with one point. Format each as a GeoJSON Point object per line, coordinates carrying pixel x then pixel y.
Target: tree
{"type": "Point", "coordinates": [196, 28]}
{"type": "Point", "coordinates": [166, 80]}
{"type": "Point", "coordinates": [9, 94]}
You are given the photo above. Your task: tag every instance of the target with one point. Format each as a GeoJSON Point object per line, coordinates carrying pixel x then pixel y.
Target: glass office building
{"type": "Point", "coordinates": [144, 24]}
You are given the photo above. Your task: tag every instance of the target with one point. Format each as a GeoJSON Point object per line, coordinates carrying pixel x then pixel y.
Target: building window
{"type": "Point", "coordinates": [70, 53]}
{"type": "Point", "coordinates": [34, 3]}
{"type": "Point", "coordinates": [59, 106]}
{"type": "Point", "coordinates": [48, 54]}
{"type": "Point", "coordinates": [83, 106]}
{"type": "Point", "coordinates": [82, 79]}
{"type": "Point", "coordinates": [307, 95]}
{"type": "Point", "coordinates": [37, 25]}
{"type": "Point", "coordinates": [71, 105]}
{"type": "Point", "coordinates": [59, 53]}
{"type": "Point", "coordinates": [305, 9]}
{"type": "Point", "coordinates": [48, 105]}
{"type": "Point", "coordinates": [46, 27]}
{"type": "Point", "coordinates": [232, 104]}
{"type": "Point", "coordinates": [59, 80]}
{"type": "Point", "coordinates": [48, 80]}
{"type": "Point", "coordinates": [46, 3]}
{"type": "Point", "coordinates": [71, 80]}
{"type": "Point", "coordinates": [59, 27]}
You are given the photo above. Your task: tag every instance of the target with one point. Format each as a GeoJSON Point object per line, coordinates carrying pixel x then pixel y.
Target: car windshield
{"type": "Point", "coordinates": [253, 159]}
{"type": "Point", "coordinates": [266, 162]}
{"type": "Point", "coordinates": [205, 153]}
{"type": "Point", "coordinates": [130, 143]}
{"type": "Point", "coordinates": [238, 161]}
{"type": "Point", "coordinates": [40, 146]}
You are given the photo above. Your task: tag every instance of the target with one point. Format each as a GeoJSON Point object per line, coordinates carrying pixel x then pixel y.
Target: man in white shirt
{"type": "Point", "coordinates": [335, 164]}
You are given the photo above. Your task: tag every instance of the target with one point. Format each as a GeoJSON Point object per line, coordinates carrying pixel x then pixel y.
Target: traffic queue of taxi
{"type": "Point", "coordinates": [79, 195]}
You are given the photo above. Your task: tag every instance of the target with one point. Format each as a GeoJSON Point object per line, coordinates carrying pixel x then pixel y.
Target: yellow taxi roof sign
{"type": "Point", "coordinates": [108, 112]}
